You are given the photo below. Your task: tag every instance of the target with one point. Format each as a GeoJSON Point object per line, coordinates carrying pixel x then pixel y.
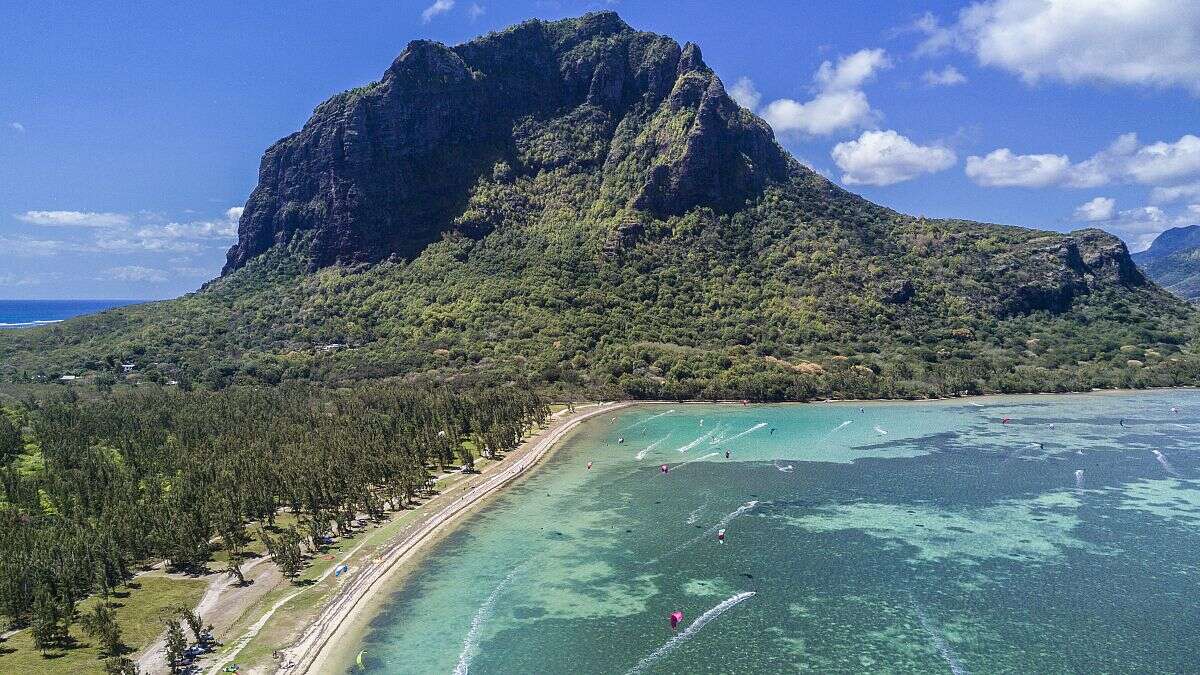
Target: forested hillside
{"type": "Point", "coordinates": [1173, 261]}
{"type": "Point", "coordinates": [581, 204]}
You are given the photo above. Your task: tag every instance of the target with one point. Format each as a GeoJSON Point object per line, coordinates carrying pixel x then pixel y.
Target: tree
{"type": "Point", "coordinates": [176, 645]}
{"type": "Point", "coordinates": [47, 626]}
{"type": "Point", "coordinates": [119, 665]}
{"type": "Point", "coordinates": [234, 569]}
{"type": "Point", "coordinates": [194, 623]}
{"type": "Point", "coordinates": [101, 623]}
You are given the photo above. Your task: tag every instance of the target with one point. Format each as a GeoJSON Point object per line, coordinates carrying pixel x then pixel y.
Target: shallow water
{"type": "Point", "coordinates": [951, 543]}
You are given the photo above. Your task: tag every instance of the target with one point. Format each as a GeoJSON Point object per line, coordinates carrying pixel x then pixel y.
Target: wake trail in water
{"type": "Point", "coordinates": [696, 442]}
{"type": "Point", "coordinates": [695, 514]}
{"type": "Point", "coordinates": [652, 417]}
{"type": "Point", "coordinates": [698, 459]}
{"type": "Point", "coordinates": [720, 525]}
{"type": "Point", "coordinates": [485, 611]}
{"type": "Point", "coordinates": [879, 431]}
{"type": "Point", "coordinates": [751, 430]}
{"type": "Point", "coordinates": [687, 634]}
{"type": "Point", "coordinates": [833, 431]}
{"type": "Point", "coordinates": [943, 647]}
{"type": "Point", "coordinates": [641, 454]}
{"type": "Point", "coordinates": [786, 468]}
{"type": "Point", "coordinates": [1162, 459]}
{"type": "Point", "coordinates": [1079, 478]}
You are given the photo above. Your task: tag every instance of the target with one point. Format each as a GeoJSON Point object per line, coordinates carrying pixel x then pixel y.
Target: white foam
{"type": "Point", "coordinates": [695, 514]}
{"type": "Point", "coordinates": [698, 459]}
{"type": "Point", "coordinates": [879, 431]}
{"type": "Point", "coordinates": [687, 633]}
{"type": "Point", "coordinates": [650, 447]}
{"type": "Point", "coordinates": [1078, 478]}
{"type": "Point", "coordinates": [1162, 459]}
{"type": "Point", "coordinates": [696, 442]}
{"type": "Point", "coordinates": [940, 643]}
{"type": "Point", "coordinates": [751, 430]}
{"type": "Point", "coordinates": [652, 417]}
{"type": "Point", "coordinates": [471, 642]}
{"type": "Point", "coordinates": [21, 324]}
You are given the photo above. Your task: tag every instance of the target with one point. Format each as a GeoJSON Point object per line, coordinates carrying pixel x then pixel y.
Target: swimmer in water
{"type": "Point", "coordinates": [772, 430]}
{"type": "Point", "coordinates": [589, 466]}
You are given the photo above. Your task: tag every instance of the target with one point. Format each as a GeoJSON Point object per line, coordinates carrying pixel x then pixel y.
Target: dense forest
{"type": "Point", "coordinates": [96, 487]}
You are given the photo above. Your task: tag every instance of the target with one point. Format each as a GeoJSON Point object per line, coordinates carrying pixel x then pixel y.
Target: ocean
{"type": "Point", "coordinates": [27, 313]}
{"type": "Point", "coordinates": [879, 537]}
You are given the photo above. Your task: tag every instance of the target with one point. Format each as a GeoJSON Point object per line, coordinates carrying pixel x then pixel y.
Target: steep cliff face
{"type": "Point", "coordinates": [386, 169]}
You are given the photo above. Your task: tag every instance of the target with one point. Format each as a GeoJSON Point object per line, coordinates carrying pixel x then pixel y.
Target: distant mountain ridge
{"type": "Point", "coordinates": [580, 206]}
{"type": "Point", "coordinates": [1173, 261]}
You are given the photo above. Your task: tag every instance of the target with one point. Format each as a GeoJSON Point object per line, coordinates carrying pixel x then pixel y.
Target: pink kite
{"type": "Point", "coordinates": [676, 619]}
{"type": "Point", "coordinates": [664, 468]}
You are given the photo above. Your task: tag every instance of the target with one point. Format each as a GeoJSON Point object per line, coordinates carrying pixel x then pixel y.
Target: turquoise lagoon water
{"type": "Point", "coordinates": [905, 537]}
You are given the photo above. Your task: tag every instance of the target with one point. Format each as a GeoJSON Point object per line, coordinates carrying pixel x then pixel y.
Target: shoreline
{"type": "Point", "coordinates": [322, 641]}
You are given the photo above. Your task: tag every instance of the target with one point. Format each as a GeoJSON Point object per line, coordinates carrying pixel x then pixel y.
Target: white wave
{"type": "Point", "coordinates": [650, 447]}
{"type": "Point", "coordinates": [652, 417]}
{"type": "Point", "coordinates": [698, 459]}
{"type": "Point", "coordinates": [751, 430]}
{"type": "Point", "coordinates": [471, 642]}
{"type": "Point", "coordinates": [879, 431]}
{"type": "Point", "coordinates": [1162, 459]}
{"type": "Point", "coordinates": [1079, 478]}
{"type": "Point", "coordinates": [720, 524]}
{"type": "Point", "coordinates": [687, 633]}
{"type": "Point", "coordinates": [696, 442]}
{"type": "Point", "coordinates": [939, 642]}
{"type": "Point", "coordinates": [786, 468]}
{"type": "Point", "coordinates": [20, 324]}
{"type": "Point", "coordinates": [695, 514]}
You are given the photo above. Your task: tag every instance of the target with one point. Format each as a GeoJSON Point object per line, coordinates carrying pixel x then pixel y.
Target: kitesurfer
{"type": "Point", "coordinates": [721, 536]}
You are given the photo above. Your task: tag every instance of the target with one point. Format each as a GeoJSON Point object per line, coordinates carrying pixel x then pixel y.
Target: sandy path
{"type": "Point", "coordinates": [311, 652]}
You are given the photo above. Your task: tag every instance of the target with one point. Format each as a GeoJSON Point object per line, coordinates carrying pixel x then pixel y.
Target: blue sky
{"type": "Point", "coordinates": [130, 132]}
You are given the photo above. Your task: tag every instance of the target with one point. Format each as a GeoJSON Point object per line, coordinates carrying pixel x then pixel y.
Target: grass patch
{"type": "Point", "coordinates": [150, 598]}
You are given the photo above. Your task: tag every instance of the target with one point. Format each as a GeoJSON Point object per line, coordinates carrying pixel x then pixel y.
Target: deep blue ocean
{"type": "Point", "coordinates": [26, 313]}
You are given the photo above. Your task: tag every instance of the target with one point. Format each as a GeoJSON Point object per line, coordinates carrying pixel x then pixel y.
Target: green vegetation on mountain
{"type": "Point", "coordinates": [581, 205]}
{"type": "Point", "coordinates": [1173, 261]}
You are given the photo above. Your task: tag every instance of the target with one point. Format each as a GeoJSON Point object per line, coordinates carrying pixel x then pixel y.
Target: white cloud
{"type": "Point", "coordinates": [438, 7]}
{"type": "Point", "coordinates": [140, 243]}
{"type": "Point", "coordinates": [946, 77]}
{"type": "Point", "coordinates": [745, 93]}
{"type": "Point", "coordinates": [938, 38]}
{"type": "Point", "coordinates": [1123, 161]}
{"type": "Point", "coordinates": [886, 157]}
{"type": "Point", "coordinates": [29, 279]}
{"type": "Point", "coordinates": [73, 218]}
{"type": "Point", "coordinates": [475, 11]}
{"type": "Point", "coordinates": [825, 114]}
{"type": "Point", "coordinates": [839, 103]}
{"type": "Point", "coordinates": [134, 273]}
{"type": "Point", "coordinates": [1166, 195]}
{"type": "Point", "coordinates": [1002, 168]}
{"type": "Point", "coordinates": [1139, 42]}
{"type": "Point", "coordinates": [1162, 161]}
{"type": "Point", "coordinates": [1139, 227]}
{"type": "Point", "coordinates": [224, 228]}
{"type": "Point", "coordinates": [17, 127]}
{"type": "Point", "coordinates": [1096, 210]}
{"type": "Point", "coordinates": [853, 71]}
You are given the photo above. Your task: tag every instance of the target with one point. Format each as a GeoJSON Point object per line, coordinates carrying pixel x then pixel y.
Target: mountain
{"type": "Point", "coordinates": [580, 205]}
{"type": "Point", "coordinates": [1173, 261]}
